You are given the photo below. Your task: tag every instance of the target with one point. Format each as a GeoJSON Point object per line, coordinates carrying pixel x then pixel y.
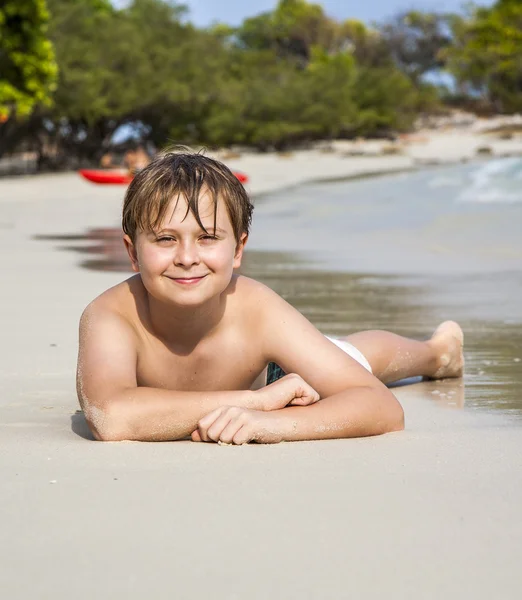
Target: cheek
{"type": "Point", "coordinates": [152, 258]}
{"type": "Point", "coordinates": [221, 257]}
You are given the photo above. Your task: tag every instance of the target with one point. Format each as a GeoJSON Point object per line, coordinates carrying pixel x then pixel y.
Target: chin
{"type": "Point", "coordinates": [190, 297]}
{"type": "Point", "coordinates": [169, 292]}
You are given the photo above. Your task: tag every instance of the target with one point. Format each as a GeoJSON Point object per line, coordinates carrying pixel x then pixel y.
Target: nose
{"type": "Point", "coordinates": [186, 254]}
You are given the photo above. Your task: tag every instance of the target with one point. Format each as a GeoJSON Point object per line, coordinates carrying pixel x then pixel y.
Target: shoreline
{"type": "Point", "coordinates": [464, 139]}
{"type": "Point", "coordinates": [349, 160]}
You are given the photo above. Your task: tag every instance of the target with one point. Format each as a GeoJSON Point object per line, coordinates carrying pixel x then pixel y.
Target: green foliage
{"type": "Point", "coordinates": [416, 41]}
{"type": "Point", "coordinates": [367, 45]}
{"type": "Point", "coordinates": [139, 64]}
{"type": "Point", "coordinates": [487, 54]}
{"type": "Point", "coordinates": [292, 30]}
{"type": "Point", "coordinates": [285, 77]}
{"type": "Point", "coordinates": [386, 101]}
{"type": "Point", "coordinates": [27, 66]}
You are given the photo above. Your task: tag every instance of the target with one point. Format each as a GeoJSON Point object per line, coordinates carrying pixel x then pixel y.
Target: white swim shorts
{"type": "Point", "coordinates": [351, 351]}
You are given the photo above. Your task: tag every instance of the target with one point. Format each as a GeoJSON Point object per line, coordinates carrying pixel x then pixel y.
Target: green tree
{"type": "Point", "coordinates": [289, 76]}
{"type": "Point", "coordinates": [486, 57]}
{"type": "Point", "coordinates": [138, 65]}
{"type": "Point", "coordinates": [330, 102]}
{"type": "Point", "coordinates": [27, 66]}
{"type": "Point", "coordinates": [256, 102]}
{"type": "Point", "coordinates": [292, 30]}
{"type": "Point", "coordinates": [416, 41]}
{"type": "Point", "coordinates": [386, 101]}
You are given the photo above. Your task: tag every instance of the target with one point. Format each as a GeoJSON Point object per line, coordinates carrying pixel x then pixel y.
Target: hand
{"type": "Point", "coordinates": [289, 390]}
{"type": "Point", "coordinates": [234, 425]}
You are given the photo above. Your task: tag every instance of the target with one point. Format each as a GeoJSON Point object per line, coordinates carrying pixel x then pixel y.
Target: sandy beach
{"type": "Point", "coordinates": [432, 512]}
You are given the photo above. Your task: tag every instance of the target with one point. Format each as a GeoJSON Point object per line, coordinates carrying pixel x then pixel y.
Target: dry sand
{"type": "Point", "coordinates": [432, 512]}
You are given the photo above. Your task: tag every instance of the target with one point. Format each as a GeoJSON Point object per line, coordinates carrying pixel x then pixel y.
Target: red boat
{"type": "Point", "coordinates": [105, 176]}
{"type": "Point", "coordinates": [241, 176]}
{"type": "Point", "coordinates": [122, 176]}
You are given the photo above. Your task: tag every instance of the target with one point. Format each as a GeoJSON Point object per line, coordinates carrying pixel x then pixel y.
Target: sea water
{"type": "Point", "coordinates": [459, 219]}
{"type": "Point", "coordinates": [403, 253]}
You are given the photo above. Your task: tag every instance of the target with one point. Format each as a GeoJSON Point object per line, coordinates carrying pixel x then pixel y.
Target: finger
{"type": "Point", "coordinates": [207, 421]}
{"type": "Point", "coordinates": [227, 435]}
{"type": "Point", "coordinates": [214, 431]}
{"type": "Point", "coordinates": [242, 436]}
{"type": "Point", "coordinates": [196, 437]}
{"type": "Point", "coordinates": [312, 396]}
{"type": "Point", "coordinates": [303, 401]}
{"type": "Point", "coordinates": [307, 398]}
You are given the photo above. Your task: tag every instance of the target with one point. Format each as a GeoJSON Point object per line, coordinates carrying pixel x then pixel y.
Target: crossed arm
{"type": "Point", "coordinates": [353, 402]}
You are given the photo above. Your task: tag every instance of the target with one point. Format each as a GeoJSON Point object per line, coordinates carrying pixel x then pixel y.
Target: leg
{"type": "Point", "coordinates": [393, 357]}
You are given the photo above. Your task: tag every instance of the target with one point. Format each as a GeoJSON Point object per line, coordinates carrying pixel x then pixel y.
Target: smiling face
{"type": "Point", "coordinates": [181, 263]}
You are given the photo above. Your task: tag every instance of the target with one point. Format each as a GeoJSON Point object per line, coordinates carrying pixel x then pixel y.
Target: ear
{"type": "Point", "coordinates": [239, 250]}
{"type": "Point", "coordinates": [131, 251]}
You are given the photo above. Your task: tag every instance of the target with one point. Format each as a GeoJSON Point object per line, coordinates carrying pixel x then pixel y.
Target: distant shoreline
{"type": "Point", "coordinates": [343, 160]}
{"type": "Point", "coordinates": [450, 143]}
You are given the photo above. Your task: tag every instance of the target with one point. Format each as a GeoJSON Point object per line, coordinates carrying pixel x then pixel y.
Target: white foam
{"type": "Point", "coordinates": [494, 182]}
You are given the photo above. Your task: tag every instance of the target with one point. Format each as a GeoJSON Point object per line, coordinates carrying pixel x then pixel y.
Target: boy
{"type": "Point", "coordinates": [180, 348]}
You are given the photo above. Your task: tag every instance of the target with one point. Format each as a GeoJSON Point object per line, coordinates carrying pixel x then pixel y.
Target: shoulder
{"type": "Point", "coordinates": [255, 297]}
{"type": "Point", "coordinates": [251, 288]}
{"type": "Point", "coordinates": [265, 313]}
{"type": "Point", "coordinates": [118, 306]}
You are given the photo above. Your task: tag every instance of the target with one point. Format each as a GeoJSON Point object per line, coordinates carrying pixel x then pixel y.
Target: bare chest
{"type": "Point", "coordinates": [224, 364]}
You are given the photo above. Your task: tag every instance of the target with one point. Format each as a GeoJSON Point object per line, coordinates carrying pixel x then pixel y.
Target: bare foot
{"type": "Point", "coordinates": [447, 341]}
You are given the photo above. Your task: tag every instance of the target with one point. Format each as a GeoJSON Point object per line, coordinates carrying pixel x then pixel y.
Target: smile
{"type": "Point", "coordinates": [186, 280]}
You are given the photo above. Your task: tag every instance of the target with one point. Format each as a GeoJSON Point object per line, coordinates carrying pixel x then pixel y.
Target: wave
{"type": "Point", "coordinates": [498, 181]}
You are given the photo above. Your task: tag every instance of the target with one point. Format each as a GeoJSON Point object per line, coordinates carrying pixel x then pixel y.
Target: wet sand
{"type": "Point", "coordinates": [430, 512]}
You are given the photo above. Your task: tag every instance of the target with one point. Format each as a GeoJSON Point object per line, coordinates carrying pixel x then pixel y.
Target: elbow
{"type": "Point", "coordinates": [106, 426]}
{"type": "Point", "coordinates": [108, 435]}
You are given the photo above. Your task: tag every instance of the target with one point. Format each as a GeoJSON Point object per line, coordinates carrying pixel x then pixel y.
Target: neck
{"type": "Point", "coordinates": [184, 327]}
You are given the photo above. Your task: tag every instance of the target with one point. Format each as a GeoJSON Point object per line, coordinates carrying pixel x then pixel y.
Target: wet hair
{"type": "Point", "coordinates": [184, 174]}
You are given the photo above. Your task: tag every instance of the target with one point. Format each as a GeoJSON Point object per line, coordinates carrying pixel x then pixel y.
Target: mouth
{"type": "Point", "coordinates": [186, 280]}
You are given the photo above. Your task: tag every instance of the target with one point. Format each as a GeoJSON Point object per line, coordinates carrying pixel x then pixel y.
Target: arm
{"type": "Point", "coordinates": [115, 407]}
{"type": "Point", "coordinates": [354, 402]}
{"type": "Point", "coordinates": [357, 412]}
{"type": "Point", "coordinates": [354, 413]}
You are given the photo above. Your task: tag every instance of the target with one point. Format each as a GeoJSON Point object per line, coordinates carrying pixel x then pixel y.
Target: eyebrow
{"type": "Point", "coordinates": [216, 229]}
{"type": "Point", "coordinates": [208, 229]}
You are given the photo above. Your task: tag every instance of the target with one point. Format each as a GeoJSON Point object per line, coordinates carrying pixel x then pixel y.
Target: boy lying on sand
{"type": "Point", "coordinates": [182, 347]}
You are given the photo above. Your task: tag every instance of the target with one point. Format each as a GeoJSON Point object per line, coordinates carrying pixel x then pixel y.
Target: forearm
{"type": "Point", "coordinates": [357, 412]}
{"type": "Point", "coordinates": [156, 415]}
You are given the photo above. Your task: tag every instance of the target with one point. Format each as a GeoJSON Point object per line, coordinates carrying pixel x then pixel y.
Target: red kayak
{"type": "Point", "coordinates": [106, 175]}
{"type": "Point", "coordinates": [122, 176]}
{"type": "Point", "coordinates": [241, 176]}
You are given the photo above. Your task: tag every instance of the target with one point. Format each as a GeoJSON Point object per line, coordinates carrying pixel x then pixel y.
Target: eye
{"type": "Point", "coordinates": [208, 237]}
{"type": "Point", "coordinates": [165, 239]}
